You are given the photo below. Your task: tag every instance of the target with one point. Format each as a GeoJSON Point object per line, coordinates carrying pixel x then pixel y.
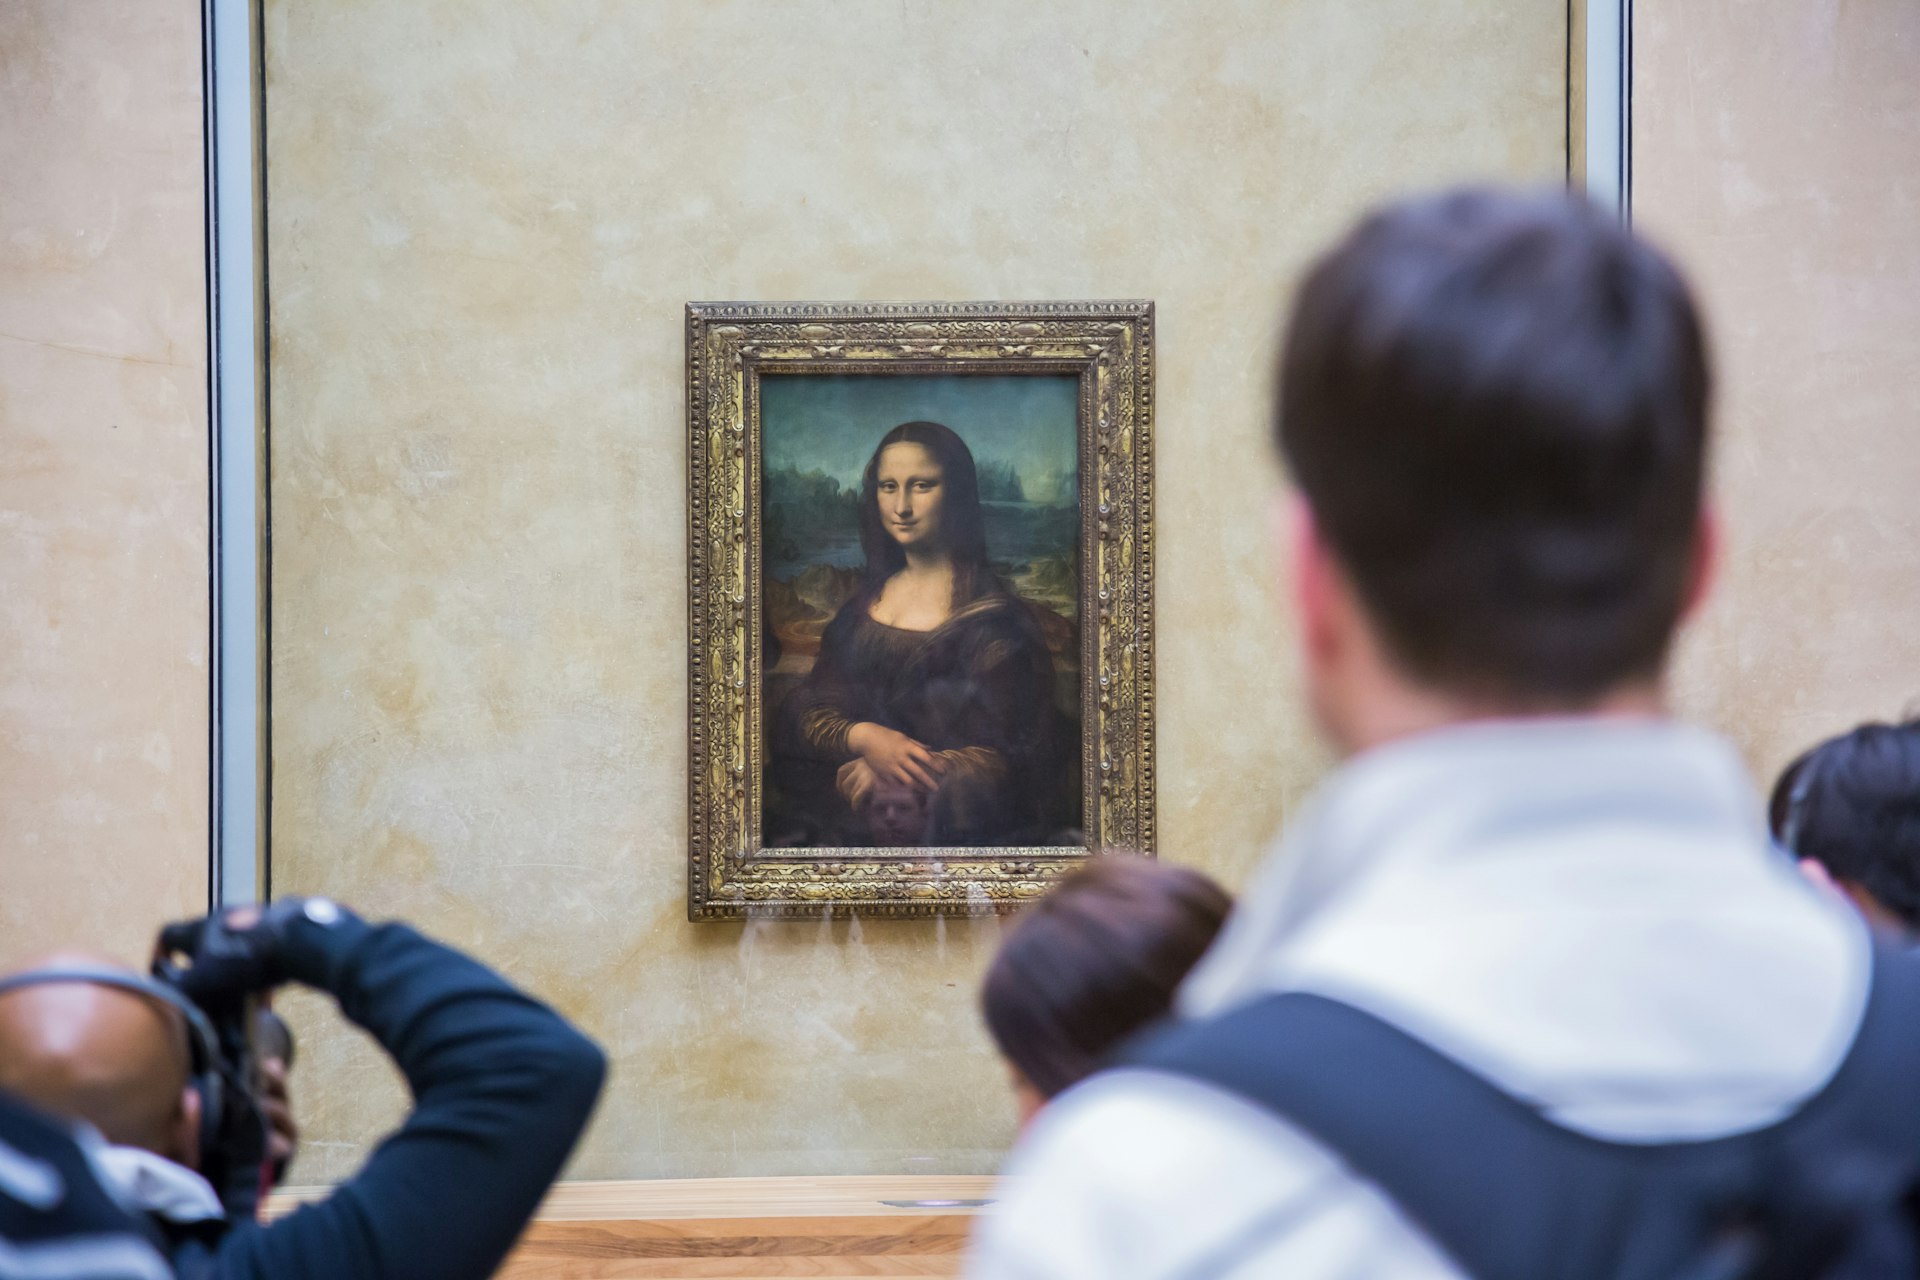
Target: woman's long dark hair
{"type": "Point", "coordinates": [962, 530]}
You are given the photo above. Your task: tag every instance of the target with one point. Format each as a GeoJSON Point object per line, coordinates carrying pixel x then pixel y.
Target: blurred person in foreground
{"type": "Point", "coordinates": [1849, 809]}
{"type": "Point", "coordinates": [502, 1088]}
{"type": "Point", "coordinates": [57, 1219]}
{"type": "Point", "coordinates": [1527, 991]}
{"type": "Point", "coordinates": [1092, 963]}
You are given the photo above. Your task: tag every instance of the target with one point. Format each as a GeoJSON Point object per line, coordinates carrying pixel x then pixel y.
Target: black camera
{"type": "Point", "coordinates": [232, 1032]}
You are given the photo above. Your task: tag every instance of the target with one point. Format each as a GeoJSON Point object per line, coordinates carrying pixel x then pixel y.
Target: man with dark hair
{"type": "Point", "coordinates": [1496, 414]}
{"type": "Point", "coordinates": [1526, 991]}
{"type": "Point", "coordinates": [1849, 809]}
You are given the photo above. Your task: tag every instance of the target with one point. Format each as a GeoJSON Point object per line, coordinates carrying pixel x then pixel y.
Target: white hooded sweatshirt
{"type": "Point", "coordinates": [1587, 912]}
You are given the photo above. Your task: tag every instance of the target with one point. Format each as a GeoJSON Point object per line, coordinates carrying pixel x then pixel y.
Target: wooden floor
{"type": "Point", "coordinates": [745, 1228]}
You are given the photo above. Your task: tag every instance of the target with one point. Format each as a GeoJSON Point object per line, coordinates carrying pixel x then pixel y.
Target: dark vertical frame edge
{"type": "Point", "coordinates": [210, 261]}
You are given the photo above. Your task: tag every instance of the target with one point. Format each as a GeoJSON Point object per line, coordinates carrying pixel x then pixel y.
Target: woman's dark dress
{"type": "Point", "coordinates": [978, 690]}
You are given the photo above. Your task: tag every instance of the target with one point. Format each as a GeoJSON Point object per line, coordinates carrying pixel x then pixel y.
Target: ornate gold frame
{"type": "Point", "coordinates": [1109, 346]}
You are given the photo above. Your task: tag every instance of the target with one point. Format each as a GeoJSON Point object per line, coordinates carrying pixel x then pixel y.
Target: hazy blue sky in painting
{"type": "Point", "coordinates": [831, 423]}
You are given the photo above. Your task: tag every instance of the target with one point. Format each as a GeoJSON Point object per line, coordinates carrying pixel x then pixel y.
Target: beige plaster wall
{"type": "Point", "coordinates": [484, 220]}
{"type": "Point", "coordinates": [103, 466]}
{"type": "Point", "coordinates": [1777, 150]}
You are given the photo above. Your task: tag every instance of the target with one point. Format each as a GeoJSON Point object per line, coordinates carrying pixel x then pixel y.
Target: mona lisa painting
{"type": "Point", "coordinates": [920, 659]}
{"type": "Point", "coordinates": [921, 673]}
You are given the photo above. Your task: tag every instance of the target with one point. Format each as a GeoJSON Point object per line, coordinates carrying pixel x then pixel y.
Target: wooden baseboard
{"type": "Point", "coordinates": [742, 1228]}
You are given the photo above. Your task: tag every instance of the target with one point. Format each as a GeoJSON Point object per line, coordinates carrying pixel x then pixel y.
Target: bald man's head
{"type": "Point", "coordinates": [113, 1058]}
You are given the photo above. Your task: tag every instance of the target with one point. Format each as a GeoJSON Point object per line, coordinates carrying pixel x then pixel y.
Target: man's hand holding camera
{"type": "Point", "coordinates": [225, 964]}
{"type": "Point", "coordinates": [243, 952]}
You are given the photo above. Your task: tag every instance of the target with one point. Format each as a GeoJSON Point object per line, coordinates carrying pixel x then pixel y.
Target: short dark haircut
{"type": "Point", "coordinates": [1852, 804]}
{"type": "Point", "coordinates": [1094, 961]}
{"type": "Point", "coordinates": [1495, 404]}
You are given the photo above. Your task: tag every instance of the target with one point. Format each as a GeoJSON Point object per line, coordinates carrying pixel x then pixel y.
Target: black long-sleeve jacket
{"type": "Point", "coordinates": [502, 1087]}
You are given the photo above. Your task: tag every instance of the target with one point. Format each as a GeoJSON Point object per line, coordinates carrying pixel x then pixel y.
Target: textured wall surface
{"type": "Point", "coordinates": [484, 221]}
{"type": "Point", "coordinates": [1777, 150]}
{"type": "Point", "coordinates": [103, 475]}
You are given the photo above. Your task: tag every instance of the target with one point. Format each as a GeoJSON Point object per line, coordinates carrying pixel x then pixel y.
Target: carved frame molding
{"type": "Point", "coordinates": [1109, 347]}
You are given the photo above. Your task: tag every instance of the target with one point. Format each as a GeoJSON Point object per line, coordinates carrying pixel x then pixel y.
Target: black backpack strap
{"type": "Point", "coordinates": [1506, 1192]}
{"type": "Point", "coordinates": [1465, 1161]}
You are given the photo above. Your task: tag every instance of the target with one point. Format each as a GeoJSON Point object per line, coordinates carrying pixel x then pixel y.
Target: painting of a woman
{"type": "Point", "coordinates": [928, 716]}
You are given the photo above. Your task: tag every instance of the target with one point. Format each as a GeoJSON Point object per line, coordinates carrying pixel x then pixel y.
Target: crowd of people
{"type": "Point", "coordinates": [1536, 986]}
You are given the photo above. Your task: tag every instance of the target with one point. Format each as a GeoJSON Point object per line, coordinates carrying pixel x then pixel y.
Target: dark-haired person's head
{"type": "Point", "coordinates": [1091, 963]}
{"type": "Point", "coordinates": [1850, 807]}
{"type": "Point", "coordinates": [1494, 407]}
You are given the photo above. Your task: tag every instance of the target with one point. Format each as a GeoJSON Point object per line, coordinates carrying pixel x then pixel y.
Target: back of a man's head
{"type": "Point", "coordinates": [1495, 405]}
{"type": "Point", "coordinates": [99, 1054]}
{"type": "Point", "coordinates": [1852, 805]}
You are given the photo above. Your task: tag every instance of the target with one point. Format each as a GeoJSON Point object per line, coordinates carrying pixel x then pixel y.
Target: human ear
{"type": "Point", "coordinates": [1027, 1100]}
{"type": "Point", "coordinates": [1817, 874]}
{"type": "Point", "coordinates": [1309, 586]}
{"type": "Point", "coordinates": [1704, 570]}
{"type": "Point", "coordinates": [186, 1130]}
